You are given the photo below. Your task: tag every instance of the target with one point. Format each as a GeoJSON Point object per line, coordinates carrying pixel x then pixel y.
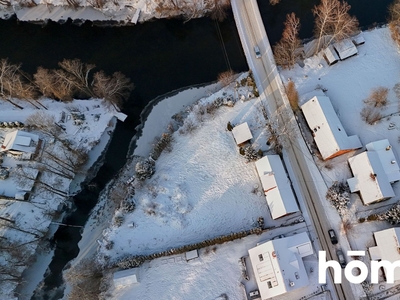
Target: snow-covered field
{"type": "Point", "coordinates": [24, 223]}
{"type": "Point", "coordinates": [203, 188]}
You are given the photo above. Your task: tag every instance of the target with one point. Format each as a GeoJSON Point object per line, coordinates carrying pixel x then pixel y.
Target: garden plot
{"type": "Point", "coordinates": [202, 188]}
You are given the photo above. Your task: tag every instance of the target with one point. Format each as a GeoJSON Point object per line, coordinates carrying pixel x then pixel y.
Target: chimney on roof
{"type": "Point", "coordinates": [388, 148]}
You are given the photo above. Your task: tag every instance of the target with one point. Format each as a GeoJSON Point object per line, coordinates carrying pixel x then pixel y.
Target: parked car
{"type": "Point", "coordinates": [332, 236]}
{"type": "Point", "coordinates": [257, 51]}
{"type": "Point", "coordinates": [341, 259]}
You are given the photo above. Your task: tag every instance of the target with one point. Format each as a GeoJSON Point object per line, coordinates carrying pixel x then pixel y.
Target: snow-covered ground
{"type": "Point", "coordinates": [24, 223]}
{"type": "Point", "coordinates": [189, 196]}
{"type": "Point", "coordinates": [203, 188]}
{"type": "Point", "coordinates": [348, 83]}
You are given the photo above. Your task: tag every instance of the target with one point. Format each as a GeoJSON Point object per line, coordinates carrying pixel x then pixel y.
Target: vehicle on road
{"type": "Point", "coordinates": [257, 51]}
{"type": "Point", "coordinates": [332, 236]}
{"type": "Point", "coordinates": [341, 259]}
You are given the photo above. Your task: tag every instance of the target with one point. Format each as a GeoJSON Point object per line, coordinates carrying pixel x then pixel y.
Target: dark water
{"type": "Point", "coordinates": [367, 12]}
{"type": "Point", "coordinates": [158, 56]}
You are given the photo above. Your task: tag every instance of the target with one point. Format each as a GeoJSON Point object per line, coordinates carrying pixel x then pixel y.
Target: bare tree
{"type": "Point", "coordinates": [293, 96]}
{"type": "Point", "coordinates": [332, 19]}
{"type": "Point", "coordinates": [370, 115]}
{"type": "Point", "coordinates": [56, 84]}
{"type": "Point", "coordinates": [286, 50]}
{"type": "Point", "coordinates": [378, 97]}
{"type": "Point", "coordinates": [13, 83]}
{"type": "Point", "coordinates": [79, 74]}
{"type": "Point", "coordinates": [85, 279]}
{"type": "Point", "coordinates": [274, 2]}
{"type": "Point", "coordinates": [219, 8]}
{"type": "Point", "coordinates": [113, 89]}
{"type": "Point", "coordinates": [225, 78]}
{"type": "Point", "coordinates": [394, 21]}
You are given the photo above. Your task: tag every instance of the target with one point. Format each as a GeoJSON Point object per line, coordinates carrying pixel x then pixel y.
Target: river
{"type": "Point", "coordinates": [158, 56]}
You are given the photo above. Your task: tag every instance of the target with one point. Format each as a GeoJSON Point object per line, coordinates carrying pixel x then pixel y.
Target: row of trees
{"type": "Point", "coordinates": [332, 23]}
{"type": "Point", "coordinates": [216, 9]}
{"type": "Point", "coordinates": [72, 79]}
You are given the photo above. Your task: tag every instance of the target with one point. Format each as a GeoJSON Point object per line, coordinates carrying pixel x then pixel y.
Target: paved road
{"type": "Point", "coordinates": [252, 32]}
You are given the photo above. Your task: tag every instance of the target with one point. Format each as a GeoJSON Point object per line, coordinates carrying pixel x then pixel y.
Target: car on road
{"type": "Point", "coordinates": [257, 51]}
{"type": "Point", "coordinates": [341, 259]}
{"type": "Point", "coordinates": [332, 236]}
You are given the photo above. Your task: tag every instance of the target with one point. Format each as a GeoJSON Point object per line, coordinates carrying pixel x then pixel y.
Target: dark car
{"type": "Point", "coordinates": [341, 259]}
{"type": "Point", "coordinates": [332, 236]}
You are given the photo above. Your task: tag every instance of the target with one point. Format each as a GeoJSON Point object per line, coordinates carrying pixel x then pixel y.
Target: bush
{"type": "Point", "coordinates": [144, 169]}
{"type": "Point", "coordinates": [339, 196]}
{"type": "Point", "coordinates": [164, 143]}
{"type": "Point", "coordinates": [119, 220]}
{"type": "Point", "coordinates": [292, 95]}
{"type": "Point", "coordinates": [229, 126]}
{"type": "Point", "coordinates": [225, 78]}
{"type": "Point", "coordinates": [250, 153]}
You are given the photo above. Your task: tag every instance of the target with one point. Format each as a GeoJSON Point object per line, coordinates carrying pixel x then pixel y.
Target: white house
{"type": "Point", "coordinates": [329, 134]}
{"type": "Point", "coordinates": [330, 55]}
{"type": "Point", "coordinates": [345, 48]}
{"type": "Point", "coordinates": [387, 248]}
{"type": "Point", "coordinates": [126, 277]}
{"type": "Point", "coordinates": [276, 185]}
{"type": "Point", "coordinates": [374, 171]}
{"type": "Point", "coordinates": [387, 158]}
{"type": "Point", "coordinates": [278, 266]}
{"type": "Point", "coordinates": [242, 133]}
{"type": "Point", "coordinates": [369, 178]}
{"type": "Point", "coordinates": [20, 142]}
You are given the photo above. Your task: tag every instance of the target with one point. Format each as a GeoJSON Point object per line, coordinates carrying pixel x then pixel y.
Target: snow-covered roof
{"type": "Point", "coordinates": [369, 178]}
{"type": "Point", "coordinates": [387, 247]}
{"type": "Point", "coordinates": [358, 39]}
{"type": "Point", "coordinates": [276, 185]}
{"type": "Point", "coordinates": [387, 158]}
{"type": "Point", "coordinates": [278, 265]}
{"type": "Point", "coordinates": [126, 277]}
{"type": "Point", "coordinates": [242, 133]}
{"type": "Point", "coordinates": [192, 254]}
{"type": "Point", "coordinates": [29, 182]}
{"type": "Point", "coordinates": [330, 55]}
{"type": "Point", "coordinates": [345, 48]}
{"type": "Point", "coordinates": [328, 131]}
{"type": "Point", "coordinates": [20, 141]}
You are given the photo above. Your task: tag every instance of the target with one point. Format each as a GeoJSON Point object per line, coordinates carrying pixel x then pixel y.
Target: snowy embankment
{"type": "Point", "coordinates": [121, 12]}
{"type": "Point", "coordinates": [348, 83]}
{"type": "Point", "coordinates": [25, 224]}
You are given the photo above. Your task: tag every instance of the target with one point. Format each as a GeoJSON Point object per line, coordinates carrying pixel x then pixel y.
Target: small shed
{"type": "Point", "coordinates": [345, 49]}
{"type": "Point", "coordinates": [330, 55]}
{"type": "Point", "coordinates": [358, 39]}
{"type": "Point", "coordinates": [192, 255]}
{"type": "Point", "coordinates": [126, 277]}
{"type": "Point", "coordinates": [242, 133]}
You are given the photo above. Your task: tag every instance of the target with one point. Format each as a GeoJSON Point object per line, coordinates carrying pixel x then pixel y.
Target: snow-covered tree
{"type": "Point", "coordinates": [250, 153]}
{"type": "Point", "coordinates": [339, 196]}
{"type": "Point", "coordinates": [392, 215]}
{"type": "Point", "coordinates": [144, 169]}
